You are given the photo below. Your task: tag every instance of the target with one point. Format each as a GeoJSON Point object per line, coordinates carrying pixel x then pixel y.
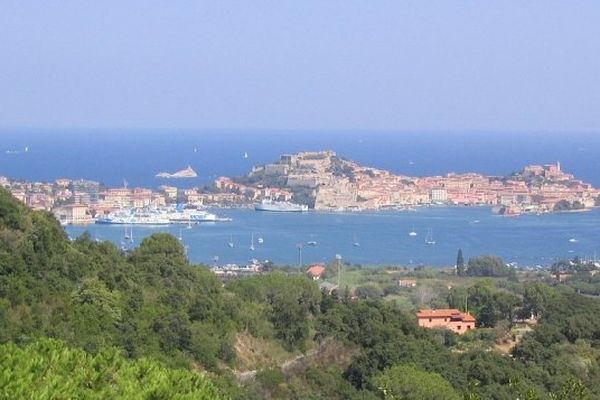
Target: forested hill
{"type": "Point", "coordinates": [88, 295]}
{"type": "Point", "coordinates": [81, 319]}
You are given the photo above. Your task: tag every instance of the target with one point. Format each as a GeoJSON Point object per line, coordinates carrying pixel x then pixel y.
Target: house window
{"type": "Point", "coordinates": [458, 327]}
{"type": "Point", "coordinates": [445, 319]}
{"type": "Point", "coordinates": [429, 319]}
{"type": "Point", "coordinates": [468, 326]}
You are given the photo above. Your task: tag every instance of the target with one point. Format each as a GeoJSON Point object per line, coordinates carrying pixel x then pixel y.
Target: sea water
{"type": "Point", "coordinates": [112, 157]}
{"type": "Point", "coordinates": [137, 156]}
{"type": "Point", "coordinates": [377, 238]}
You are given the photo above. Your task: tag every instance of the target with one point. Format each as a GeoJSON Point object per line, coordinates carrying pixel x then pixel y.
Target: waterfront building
{"type": "Point", "coordinates": [63, 183]}
{"type": "Point", "coordinates": [73, 214]}
{"type": "Point", "coordinates": [118, 197]}
{"type": "Point", "coordinates": [170, 192]}
{"type": "Point", "coordinates": [439, 195]}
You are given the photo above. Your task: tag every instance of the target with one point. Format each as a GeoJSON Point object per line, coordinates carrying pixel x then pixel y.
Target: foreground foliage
{"type": "Point", "coordinates": [48, 369]}
{"type": "Point", "coordinates": [147, 319]}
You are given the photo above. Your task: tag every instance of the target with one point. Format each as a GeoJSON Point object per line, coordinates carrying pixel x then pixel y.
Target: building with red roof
{"type": "Point", "coordinates": [448, 318]}
{"type": "Point", "coordinates": [316, 271]}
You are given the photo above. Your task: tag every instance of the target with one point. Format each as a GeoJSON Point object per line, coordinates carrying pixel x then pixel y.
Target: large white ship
{"type": "Point", "coordinates": [280, 206]}
{"type": "Point", "coordinates": [134, 217]}
{"type": "Point", "coordinates": [159, 216]}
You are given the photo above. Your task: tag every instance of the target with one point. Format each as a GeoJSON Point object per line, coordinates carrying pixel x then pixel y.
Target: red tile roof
{"type": "Point", "coordinates": [316, 270]}
{"type": "Point", "coordinates": [446, 313]}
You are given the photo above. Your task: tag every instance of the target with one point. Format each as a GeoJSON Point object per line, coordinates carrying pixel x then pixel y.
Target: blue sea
{"type": "Point", "coordinates": [528, 240]}
{"type": "Point", "coordinates": [136, 156]}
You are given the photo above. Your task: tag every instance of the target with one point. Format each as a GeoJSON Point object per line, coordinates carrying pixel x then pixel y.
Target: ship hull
{"type": "Point", "coordinates": [274, 208]}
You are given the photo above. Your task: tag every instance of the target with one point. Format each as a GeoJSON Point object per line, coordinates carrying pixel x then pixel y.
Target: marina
{"type": "Point", "coordinates": [389, 237]}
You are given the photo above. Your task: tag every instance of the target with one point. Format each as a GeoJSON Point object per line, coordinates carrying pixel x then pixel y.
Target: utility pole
{"type": "Point", "coordinates": [299, 247]}
{"type": "Point", "coordinates": [338, 258]}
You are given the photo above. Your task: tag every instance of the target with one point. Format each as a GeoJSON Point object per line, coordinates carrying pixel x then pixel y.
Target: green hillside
{"type": "Point", "coordinates": [81, 318]}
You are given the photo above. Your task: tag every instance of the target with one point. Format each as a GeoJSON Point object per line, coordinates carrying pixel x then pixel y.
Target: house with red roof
{"type": "Point", "coordinates": [316, 271]}
{"type": "Point", "coordinates": [448, 318]}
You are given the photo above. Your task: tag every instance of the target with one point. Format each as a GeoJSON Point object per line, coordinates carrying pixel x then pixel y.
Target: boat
{"type": "Point", "coordinates": [280, 206]}
{"type": "Point", "coordinates": [25, 150]}
{"type": "Point", "coordinates": [260, 240]}
{"type": "Point", "coordinates": [252, 243]}
{"type": "Point", "coordinates": [159, 216]}
{"type": "Point", "coordinates": [312, 243]}
{"type": "Point", "coordinates": [412, 233]}
{"type": "Point", "coordinates": [184, 173]}
{"type": "Point", "coordinates": [573, 240]}
{"type": "Point", "coordinates": [134, 217]}
{"type": "Point", "coordinates": [193, 216]}
{"type": "Point", "coordinates": [129, 234]}
{"type": "Point", "coordinates": [245, 155]}
{"type": "Point", "coordinates": [230, 243]}
{"type": "Point", "coordinates": [180, 236]}
{"type": "Point", "coordinates": [429, 238]}
{"type": "Point", "coordinates": [355, 242]}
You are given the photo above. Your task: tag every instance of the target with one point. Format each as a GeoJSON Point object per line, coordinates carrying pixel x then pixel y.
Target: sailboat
{"type": "Point", "coordinates": [245, 155]}
{"type": "Point", "coordinates": [230, 243]}
{"type": "Point", "coordinates": [260, 240]}
{"type": "Point", "coordinates": [128, 234]}
{"type": "Point", "coordinates": [189, 224]}
{"type": "Point", "coordinates": [429, 237]}
{"type": "Point", "coordinates": [180, 236]}
{"type": "Point", "coordinates": [252, 243]}
{"type": "Point", "coordinates": [355, 242]}
{"type": "Point", "coordinates": [412, 232]}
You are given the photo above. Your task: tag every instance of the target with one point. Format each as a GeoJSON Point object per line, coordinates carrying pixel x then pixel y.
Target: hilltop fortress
{"type": "Point", "coordinates": [328, 182]}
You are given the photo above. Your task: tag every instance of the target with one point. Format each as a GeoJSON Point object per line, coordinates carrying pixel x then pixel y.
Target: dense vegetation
{"type": "Point", "coordinates": [49, 369]}
{"type": "Point", "coordinates": [144, 324]}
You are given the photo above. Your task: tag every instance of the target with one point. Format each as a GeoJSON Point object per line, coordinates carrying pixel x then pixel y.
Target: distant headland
{"type": "Point", "coordinates": [323, 181]}
{"type": "Point", "coordinates": [328, 182]}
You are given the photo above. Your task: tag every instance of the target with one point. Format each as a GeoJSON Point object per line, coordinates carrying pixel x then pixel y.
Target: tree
{"type": "Point", "coordinates": [408, 383]}
{"type": "Point", "coordinates": [487, 266]}
{"type": "Point", "coordinates": [49, 369]}
{"type": "Point", "coordinates": [460, 263]}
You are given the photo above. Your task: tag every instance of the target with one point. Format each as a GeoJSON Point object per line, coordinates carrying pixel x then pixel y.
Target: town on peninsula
{"type": "Point", "coordinates": [323, 181]}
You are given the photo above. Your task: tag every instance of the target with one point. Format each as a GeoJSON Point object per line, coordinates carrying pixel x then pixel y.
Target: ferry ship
{"type": "Point", "coordinates": [194, 216]}
{"type": "Point", "coordinates": [280, 206]}
{"type": "Point", "coordinates": [134, 217]}
{"type": "Point", "coordinates": [159, 216]}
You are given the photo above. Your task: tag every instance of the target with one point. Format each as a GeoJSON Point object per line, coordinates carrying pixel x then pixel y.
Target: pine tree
{"type": "Point", "coordinates": [460, 263]}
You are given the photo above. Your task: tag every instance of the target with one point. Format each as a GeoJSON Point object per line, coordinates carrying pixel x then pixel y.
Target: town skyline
{"type": "Point", "coordinates": [324, 181]}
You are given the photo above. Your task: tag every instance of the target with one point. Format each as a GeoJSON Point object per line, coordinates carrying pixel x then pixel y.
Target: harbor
{"type": "Point", "coordinates": [426, 236]}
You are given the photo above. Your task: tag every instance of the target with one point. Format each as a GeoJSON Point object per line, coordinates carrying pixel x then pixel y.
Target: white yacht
{"type": "Point", "coordinates": [280, 206]}
{"type": "Point", "coordinates": [429, 237]}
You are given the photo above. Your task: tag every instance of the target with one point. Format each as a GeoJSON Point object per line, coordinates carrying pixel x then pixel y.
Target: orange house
{"type": "Point", "coordinates": [448, 318]}
{"type": "Point", "coordinates": [316, 271]}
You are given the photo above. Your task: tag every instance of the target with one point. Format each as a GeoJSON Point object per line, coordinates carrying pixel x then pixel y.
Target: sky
{"type": "Point", "coordinates": [327, 65]}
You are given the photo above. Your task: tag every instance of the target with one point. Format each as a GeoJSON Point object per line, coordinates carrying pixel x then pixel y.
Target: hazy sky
{"type": "Point", "coordinates": [397, 65]}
